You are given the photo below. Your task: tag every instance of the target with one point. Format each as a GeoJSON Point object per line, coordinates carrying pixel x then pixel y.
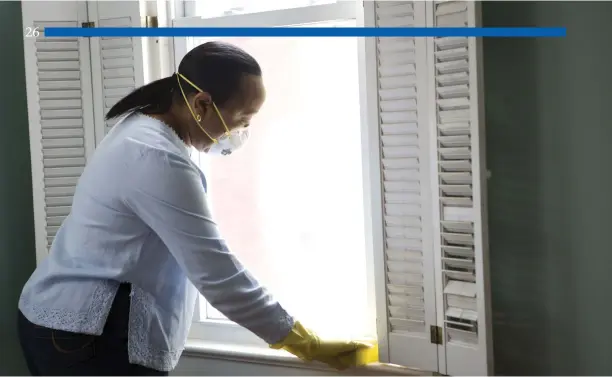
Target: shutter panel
{"type": "Point", "coordinates": [463, 297]}
{"type": "Point", "coordinates": [401, 101]}
{"type": "Point", "coordinates": [117, 63]}
{"type": "Point", "coordinates": [59, 112]}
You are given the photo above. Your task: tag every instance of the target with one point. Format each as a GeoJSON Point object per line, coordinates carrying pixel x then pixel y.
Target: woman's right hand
{"type": "Point", "coordinates": [338, 354]}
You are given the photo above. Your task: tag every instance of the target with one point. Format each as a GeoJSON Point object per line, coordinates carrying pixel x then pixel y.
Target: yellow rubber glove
{"type": "Point", "coordinates": [304, 344]}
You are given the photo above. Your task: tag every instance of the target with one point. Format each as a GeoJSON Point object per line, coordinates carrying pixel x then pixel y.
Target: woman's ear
{"type": "Point", "coordinates": [203, 96]}
{"type": "Point", "coordinates": [201, 102]}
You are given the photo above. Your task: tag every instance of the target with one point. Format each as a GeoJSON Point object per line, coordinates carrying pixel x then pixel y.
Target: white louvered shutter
{"type": "Point", "coordinates": [117, 63]}
{"type": "Point", "coordinates": [408, 311]}
{"type": "Point", "coordinates": [460, 196]}
{"type": "Point", "coordinates": [59, 112]}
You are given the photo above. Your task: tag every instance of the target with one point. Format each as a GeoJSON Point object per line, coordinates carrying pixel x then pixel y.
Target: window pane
{"type": "Point", "coordinates": [216, 8]}
{"type": "Point", "coordinates": [290, 203]}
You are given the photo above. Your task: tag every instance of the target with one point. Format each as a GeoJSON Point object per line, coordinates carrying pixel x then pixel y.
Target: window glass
{"type": "Point", "coordinates": [216, 8]}
{"type": "Point", "coordinates": [290, 202]}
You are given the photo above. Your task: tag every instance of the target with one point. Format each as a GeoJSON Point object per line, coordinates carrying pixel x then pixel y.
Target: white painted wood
{"type": "Point", "coordinates": [372, 212]}
{"type": "Point", "coordinates": [180, 50]}
{"type": "Point", "coordinates": [59, 113]}
{"type": "Point", "coordinates": [166, 48]}
{"type": "Point", "coordinates": [459, 192]}
{"type": "Point", "coordinates": [221, 360]}
{"type": "Point", "coordinates": [344, 10]}
{"type": "Point", "coordinates": [398, 116]}
{"type": "Point", "coordinates": [175, 9]}
{"type": "Point", "coordinates": [117, 63]}
{"type": "Point", "coordinates": [151, 63]}
{"type": "Point", "coordinates": [372, 173]}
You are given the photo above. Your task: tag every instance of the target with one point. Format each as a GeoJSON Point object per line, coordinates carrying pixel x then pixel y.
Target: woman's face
{"type": "Point", "coordinates": [236, 112]}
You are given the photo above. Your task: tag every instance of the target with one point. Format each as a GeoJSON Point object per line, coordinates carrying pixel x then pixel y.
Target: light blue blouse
{"type": "Point", "coordinates": [140, 215]}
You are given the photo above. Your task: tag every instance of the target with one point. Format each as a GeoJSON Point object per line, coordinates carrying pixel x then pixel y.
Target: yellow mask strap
{"type": "Point", "coordinates": [179, 76]}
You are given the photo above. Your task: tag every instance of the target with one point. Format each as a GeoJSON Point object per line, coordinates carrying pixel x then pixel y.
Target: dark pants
{"type": "Point", "coordinates": [59, 353]}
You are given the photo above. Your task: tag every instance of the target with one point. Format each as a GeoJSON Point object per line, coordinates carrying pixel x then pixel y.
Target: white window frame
{"type": "Point", "coordinates": [225, 333]}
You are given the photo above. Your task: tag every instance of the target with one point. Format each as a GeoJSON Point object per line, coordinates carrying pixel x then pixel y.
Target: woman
{"type": "Point", "coordinates": [116, 294]}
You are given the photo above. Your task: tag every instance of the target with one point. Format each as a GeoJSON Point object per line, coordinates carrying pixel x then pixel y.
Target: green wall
{"type": "Point", "coordinates": [17, 257]}
{"type": "Point", "coordinates": [549, 132]}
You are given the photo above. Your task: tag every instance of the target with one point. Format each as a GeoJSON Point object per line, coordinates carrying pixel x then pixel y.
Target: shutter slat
{"type": "Point", "coordinates": [62, 65]}
{"type": "Point", "coordinates": [397, 93]}
{"type": "Point", "coordinates": [402, 197]}
{"type": "Point", "coordinates": [117, 92]}
{"type": "Point", "coordinates": [399, 21]}
{"type": "Point", "coordinates": [53, 211]}
{"type": "Point", "coordinates": [59, 75]}
{"type": "Point", "coordinates": [121, 82]}
{"type": "Point", "coordinates": [118, 72]}
{"type": "Point", "coordinates": [60, 191]}
{"type": "Point", "coordinates": [63, 162]}
{"type": "Point", "coordinates": [118, 62]}
{"type": "Point", "coordinates": [398, 104]}
{"type": "Point", "coordinates": [59, 85]}
{"type": "Point", "coordinates": [61, 113]}
{"type": "Point", "coordinates": [109, 43]}
{"type": "Point", "coordinates": [61, 181]}
{"type": "Point", "coordinates": [62, 123]}
{"type": "Point", "coordinates": [388, 46]}
{"type": "Point", "coordinates": [48, 55]}
{"type": "Point", "coordinates": [58, 133]}
{"type": "Point", "coordinates": [63, 143]}
{"type": "Point", "coordinates": [402, 186]}
{"type": "Point", "coordinates": [58, 220]}
{"type": "Point", "coordinates": [402, 221]}
{"type": "Point", "coordinates": [112, 53]}
{"type": "Point", "coordinates": [61, 94]}
{"type": "Point", "coordinates": [66, 171]}
{"type": "Point", "coordinates": [61, 103]}
{"type": "Point", "coordinates": [395, 82]}
{"type": "Point", "coordinates": [397, 9]}
{"type": "Point", "coordinates": [400, 140]}
{"type": "Point", "coordinates": [115, 22]}
{"type": "Point", "coordinates": [400, 163]}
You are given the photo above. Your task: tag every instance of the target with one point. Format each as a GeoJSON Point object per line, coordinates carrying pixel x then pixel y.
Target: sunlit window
{"type": "Point", "coordinates": [290, 203]}
{"type": "Point", "coordinates": [215, 8]}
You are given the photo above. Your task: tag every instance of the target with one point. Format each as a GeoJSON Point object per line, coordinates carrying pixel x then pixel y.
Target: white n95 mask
{"type": "Point", "coordinates": [228, 144]}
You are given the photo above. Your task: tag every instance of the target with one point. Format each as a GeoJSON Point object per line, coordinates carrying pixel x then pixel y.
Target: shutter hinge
{"type": "Point", "coordinates": [150, 21]}
{"type": "Point", "coordinates": [88, 24]}
{"type": "Point", "coordinates": [435, 333]}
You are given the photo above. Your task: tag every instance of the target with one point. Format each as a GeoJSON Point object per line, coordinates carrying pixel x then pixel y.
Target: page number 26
{"type": "Point", "coordinates": [32, 32]}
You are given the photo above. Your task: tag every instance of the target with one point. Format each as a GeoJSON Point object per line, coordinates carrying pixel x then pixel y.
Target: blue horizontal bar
{"type": "Point", "coordinates": [306, 32]}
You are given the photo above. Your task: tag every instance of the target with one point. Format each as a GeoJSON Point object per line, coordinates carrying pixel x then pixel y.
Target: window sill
{"type": "Point", "coordinates": [258, 355]}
